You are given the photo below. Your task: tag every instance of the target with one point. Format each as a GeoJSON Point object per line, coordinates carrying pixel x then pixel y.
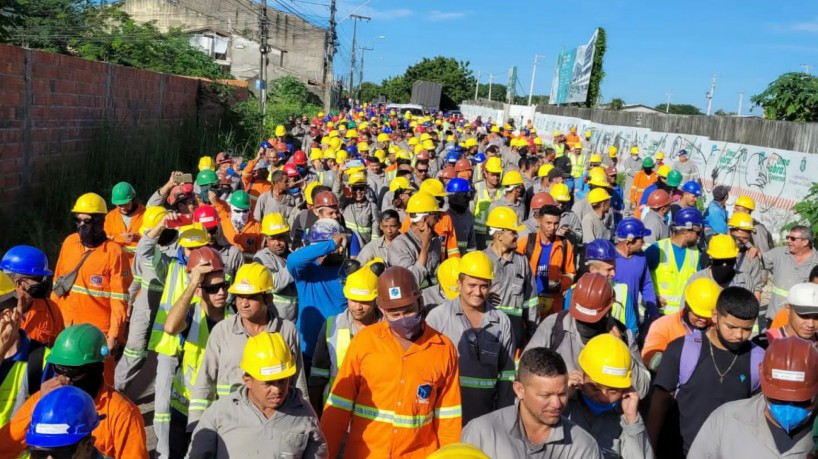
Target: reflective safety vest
{"type": "Point", "coordinates": [668, 279]}
{"type": "Point", "coordinates": [482, 201]}
{"type": "Point", "coordinates": [577, 165]}
{"type": "Point", "coordinates": [175, 284]}
{"type": "Point", "coordinates": [559, 150]}
{"type": "Point", "coordinates": [363, 228]}
{"type": "Point", "coordinates": [13, 381]}
{"type": "Point", "coordinates": [338, 339]}
{"type": "Point", "coordinates": [193, 354]}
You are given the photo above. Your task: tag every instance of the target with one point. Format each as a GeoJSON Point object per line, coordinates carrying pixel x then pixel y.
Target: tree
{"type": "Point", "coordinates": [369, 91]}
{"type": "Point", "coordinates": [791, 97]}
{"type": "Point", "coordinates": [288, 96]}
{"type": "Point", "coordinates": [616, 104]}
{"type": "Point", "coordinates": [597, 72]}
{"type": "Point", "coordinates": [679, 109]}
{"type": "Point", "coordinates": [11, 14]}
{"type": "Point", "coordinates": [498, 92]}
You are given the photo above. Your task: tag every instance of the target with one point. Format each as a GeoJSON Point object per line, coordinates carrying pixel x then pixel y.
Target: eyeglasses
{"type": "Point", "coordinates": [793, 238]}
{"type": "Point", "coordinates": [359, 188]}
{"type": "Point", "coordinates": [64, 452]}
{"type": "Point", "coordinates": [241, 211]}
{"type": "Point", "coordinates": [214, 288]}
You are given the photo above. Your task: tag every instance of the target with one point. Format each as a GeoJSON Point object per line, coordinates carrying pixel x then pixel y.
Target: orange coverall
{"type": "Point", "coordinates": [445, 229]}
{"type": "Point", "coordinates": [249, 240]}
{"type": "Point", "coordinates": [43, 322]}
{"type": "Point", "coordinates": [121, 432]}
{"type": "Point", "coordinates": [115, 228]}
{"type": "Point", "coordinates": [394, 403]}
{"type": "Point", "coordinates": [253, 186]}
{"type": "Point", "coordinates": [664, 330]}
{"type": "Point", "coordinates": [640, 182]}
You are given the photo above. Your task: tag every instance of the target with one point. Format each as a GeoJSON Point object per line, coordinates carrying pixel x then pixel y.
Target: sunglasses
{"type": "Point", "coordinates": [422, 171]}
{"type": "Point", "coordinates": [83, 221]}
{"type": "Point", "coordinates": [793, 238]}
{"type": "Point", "coordinates": [359, 188]}
{"type": "Point", "coordinates": [241, 211]}
{"type": "Point", "coordinates": [72, 373]}
{"type": "Point", "coordinates": [214, 288]}
{"type": "Point", "coordinates": [64, 452]}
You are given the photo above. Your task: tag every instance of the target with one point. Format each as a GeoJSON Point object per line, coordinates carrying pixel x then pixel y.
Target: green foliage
{"type": "Point", "coordinates": [679, 109]}
{"type": "Point", "coordinates": [10, 17]}
{"type": "Point", "coordinates": [368, 91]}
{"type": "Point", "coordinates": [287, 96]}
{"type": "Point", "coordinates": [597, 71]}
{"type": "Point", "coordinates": [498, 92]}
{"type": "Point", "coordinates": [791, 97]}
{"type": "Point", "coordinates": [807, 210]}
{"type": "Point", "coordinates": [455, 77]}
{"type": "Point", "coordinates": [396, 90]}
{"type": "Point", "coordinates": [616, 104]}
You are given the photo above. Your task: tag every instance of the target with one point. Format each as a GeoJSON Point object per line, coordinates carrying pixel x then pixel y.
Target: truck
{"type": "Point", "coordinates": [426, 94]}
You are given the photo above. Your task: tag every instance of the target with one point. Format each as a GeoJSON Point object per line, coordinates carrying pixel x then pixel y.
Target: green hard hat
{"type": "Point", "coordinates": [240, 199]}
{"type": "Point", "coordinates": [206, 177]}
{"type": "Point", "coordinates": [79, 345]}
{"type": "Point", "coordinates": [123, 193]}
{"type": "Point", "coordinates": [674, 178]}
{"type": "Point", "coordinates": [648, 162]}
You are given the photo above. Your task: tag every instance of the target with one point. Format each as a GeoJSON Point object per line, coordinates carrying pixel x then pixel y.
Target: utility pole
{"type": "Point", "coordinates": [264, 48]}
{"type": "Point", "coordinates": [361, 70]}
{"type": "Point", "coordinates": [328, 57]}
{"type": "Point", "coordinates": [533, 74]}
{"type": "Point", "coordinates": [710, 94]}
{"type": "Point", "coordinates": [667, 105]}
{"type": "Point", "coordinates": [491, 79]}
{"type": "Point", "coordinates": [740, 100]}
{"type": "Point", "coordinates": [477, 85]}
{"type": "Point", "coordinates": [806, 68]}
{"type": "Point", "coordinates": [355, 18]}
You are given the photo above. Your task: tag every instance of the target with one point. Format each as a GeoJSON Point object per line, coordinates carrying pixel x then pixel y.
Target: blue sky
{"type": "Point", "coordinates": [654, 47]}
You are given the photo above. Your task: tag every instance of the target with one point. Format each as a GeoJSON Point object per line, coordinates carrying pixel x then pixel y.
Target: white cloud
{"type": "Point", "coordinates": [437, 15]}
{"type": "Point", "coordinates": [806, 26]}
{"type": "Point", "coordinates": [396, 13]}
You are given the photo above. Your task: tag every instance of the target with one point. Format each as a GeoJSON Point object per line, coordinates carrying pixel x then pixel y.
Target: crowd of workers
{"type": "Point", "coordinates": [373, 284]}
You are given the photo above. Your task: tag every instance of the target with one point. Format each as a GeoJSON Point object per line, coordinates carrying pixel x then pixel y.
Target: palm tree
{"type": "Point", "coordinates": [616, 104]}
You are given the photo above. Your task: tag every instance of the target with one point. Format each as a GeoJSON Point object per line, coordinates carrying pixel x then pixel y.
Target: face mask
{"type": "Point", "coordinates": [788, 416]}
{"type": "Point", "coordinates": [181, 257]}
{"type": "Point", "coordinates": [589, 330]}
{"type": "Point", "coordinates": [300, 170]}
{"type": "Point", "coordinates": [294, 190]}
{"type": "Point", "coordinates": [596, 407]}
{"type": "Point", "coordinates": [203, 194]}
{"type": "Point", "coordinates": [239, 219]}
{"type": "Point", "coordinates": [166, 236]}
{"type": "Point", "coordinates": [407, 327]}
{"type": "Point", "coordinates": [732, 347]}
{"type": "Point", "coordinates": [92, 234]}
{"type": "Point", "coordinates": [459, 201]}
{"type": "Point", "coordinates": [723, 274]}
{"type": "Point", "coordinates": [40, 290]}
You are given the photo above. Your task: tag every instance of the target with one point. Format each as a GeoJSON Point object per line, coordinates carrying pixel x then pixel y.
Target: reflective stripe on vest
{"type": "Point", "coordinates": [780, 291]}
{"type": "Point", "coordinates": [577, 165]}
{"type": "Point", "coordinates": [337, 342]}
{"type": "Point", "coordinates": [10, 388]}
{"type": "Point", "coordinates": [389, 417]}
{"type": "Point", "coordinates": [483, 200]}
{"type": "Point", "coordinates": [619, 311]}
{"type": "Point", "coordinates": [175, 284]}
{"type": "Point", "coordinates": [668, 279]}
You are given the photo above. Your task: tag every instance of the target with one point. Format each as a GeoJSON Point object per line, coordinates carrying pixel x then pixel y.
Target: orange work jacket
{"type": "Point", "coordinates": [444, 229]}
{"type": "Point", "coordinates": [43, 322]}
{"type": "Point", "coordinates": [640, 182]}
{"type": "Point", "coordinates": [249, 240]}
{"type": "Point", "coordinates": [552, 302]}
{"type": "Point", "coordinates": [115, 228]}
{"type": "Point", "coordinates": [662, 332]}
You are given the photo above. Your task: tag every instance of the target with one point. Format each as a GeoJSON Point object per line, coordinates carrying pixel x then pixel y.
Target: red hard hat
{"type": "Point", "coordinates": [290, 170]}
{"type": "Point", "coordinates": [180, 192]}
{"type": "Point", "coordinates": [300, 158]}
{"type": "Point", "coordinates": [789, 371]}
{"type": "Point", "coordinates": [223, 157]}
{"type": "Point", "coordinates": [325, 199]}
{"type": "Point", "coordinates": [205, 254]}
{"type": "Point", "coordinates": [281, 147]}
{"type": "Point", "coordinates": [592, 298]}
{"type": "Point", "coordinates": [611, 170]}
{"type": "Point", "coordinates": [422, 156]}
{"type": "Point", "coordinates": [448, 173]}
{"type": "Point", "coordinates": [542, 199]}
{"type": "Point", "coordinates": [207, 216]}
{"type": "Point", "coordinates": [658, 198]}
{"type": "Point", "coordinates": [397, 287]}
{"type": "Point", "coordinates": [462, 164]}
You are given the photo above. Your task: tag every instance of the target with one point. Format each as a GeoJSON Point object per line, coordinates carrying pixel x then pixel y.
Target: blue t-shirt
{"type": "Point", "coordinates": [541, 275]}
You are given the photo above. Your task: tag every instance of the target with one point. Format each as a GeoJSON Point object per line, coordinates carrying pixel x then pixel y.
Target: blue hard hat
{"type": "Point", "coordinates": [600, 249]}
{"type": "Point", "coordinates": [688, 217]}
{"type": "Point", "coordinates": [682, 152]}
{"type": "Point", "coordinates": [25, 260]}
{"type": "Point", "coordinates": [631, 228]}
{"type": "Point", "coordinates": [458, 148]}
{"type": "Point", "coordinates": [62, 417]}
{"type": "Point", "coordinates": [352, 150]}
{"type": "Point", "coordinates": [387, 130]}
{"type": "Point", "coordinates": [324, 229]}
{"type": "Point", "coordinates": [480, 158]}
{"type": "Point", "coordinates": [458, 185]}
{"type": "Point", "coordinates": [452, 157]}
{"type": "Point", "coordinates": [266, 144]}
{"type": "Point", "coordinates": [692, 188]}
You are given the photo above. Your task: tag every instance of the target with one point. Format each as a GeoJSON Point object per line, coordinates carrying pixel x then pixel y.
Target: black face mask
{"type": "Point", "coordinates": [92, 234]}
{"type": "Point", "coordinates": [167, 236]}
{"type": "Point", "coordinates": [203, 196]}
{"type": "Point", "coordinates": [723, 271]}
{"type": "Point", "coordinates": [40, 290]}
{"type": "Point", "coordinates": [732, 347]}
{"type": "Point", "coordinates": [589, 330]}
{"type": "Point", "coordinates": [90, 380]}
{"type": "Point", "coordinates": [333, 259]}
{"type": "Point", "coordinates": [459, 201]}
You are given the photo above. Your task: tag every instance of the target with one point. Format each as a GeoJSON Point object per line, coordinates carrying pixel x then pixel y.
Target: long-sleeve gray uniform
{"type": "Point", "coordinates": [573, 222]}
{"type": "Point", "coordinates": [657, 225]}
{"type": "Point", "coordinates": [616, 438]}
{"type": "Point", "coordinates": [405, 250]}
{"type": "Point", "coordinates": [593, 227]}
{"type": "Point", "coordinates": [285, 295]}
{"type": "Point", "coordinates": [268, 204]}
{"type": "Point", "coordinates": [362, 217]}
{"type": "Point", "coordinates": [786, 273]}
{"type": "Point", "coordinates": [630, 166]}
{"type": "Point", "coordinates": [485, 356]}
{"type": "Point", "coordinates": [515, 293]}
{"type": "Point", "coordinates": [572, 344]}
{"type": "Point", "coordinates": [233, 427]}
{"type": "Point", "coordinates": [376, 248]}
{"type": "Point", "coordinates": [741, 279]}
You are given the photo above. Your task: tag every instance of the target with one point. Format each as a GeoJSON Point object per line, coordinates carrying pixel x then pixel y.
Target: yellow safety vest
{"type": "Point", "coordinates": [10, 388]}
{"type": "Point", "coordinates": [577, 165]}
{"type": "Point", "coordinates": [668, 279]}
{"type": "Point", "coordinates": [338, 339]}
{"type": "Point", "coordinates": [175, 284]}
{"type": "Point", "coordinates": [559, 150]}
{"type": "Point", "coordinates": [620, 307]}
{"type": "Point", "coordinates": [482, 201]}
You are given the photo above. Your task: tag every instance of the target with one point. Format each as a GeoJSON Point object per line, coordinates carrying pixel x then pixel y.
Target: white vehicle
{"type": "Point", "coordinates": [415, 109]}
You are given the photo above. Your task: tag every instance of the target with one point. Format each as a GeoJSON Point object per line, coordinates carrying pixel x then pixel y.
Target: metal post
{"type": "Point", "coordinates": [740, 100]}
{"type": "Point", "coordinates": [328, 57]}
{"type": "Point", "coordinates": [491, 79]}
{"type": "Point", "coordinates": [264, 48]}
{"type": "Point", "coordinates": [355, 18]}
{"type": "Point", "coordinates": [710, 94]}
{"type": "Point", "coordinates": [477, 85]}
{"type": "Point", "coordinates": [361, 70]}
{"type": "Point", "coordinates": [533, 74]}
{"type": "Point", "coordinates": [667, 105]}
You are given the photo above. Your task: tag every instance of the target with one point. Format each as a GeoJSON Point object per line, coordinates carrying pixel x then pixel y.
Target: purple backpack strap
{"type": "Point", "coordinates": [756, 357]}
{"type": "Point", "coordinates": [691, 349]}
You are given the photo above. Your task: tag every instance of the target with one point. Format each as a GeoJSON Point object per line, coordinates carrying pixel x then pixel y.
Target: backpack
{"type": "Point", "coordinates": [692, 349]}
{"type": "Point", "coordinates": [558, 332]}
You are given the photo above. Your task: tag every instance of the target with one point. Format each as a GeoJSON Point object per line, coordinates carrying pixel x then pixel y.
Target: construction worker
{"type": "Point", "coordinates": [274, 257]}
{"type": "Point", "coordinates": [486, 345]}
{"type": "Point", "coordinates": [551, 258]}
{"type": "Point", "coordinates": [360, 290]}
{"type": "Point", "coordinates": [695, 317]}
{"type": "Point", "coordinates": [666, 179]}
{"type": "Point", "coordinates": [276, 199]}
{"type": "Point", "coordinates": [241, 229]}
{"type": "Point", "coordinates": [762, 239]}
{"type": "Point", "coordinates": [789, 265]}
{"type": "Point", "coordinates": [448, 287]}
{"type": "Point", "coordinates": [593, 171]}
{"type": "Point", "coordinates": [404, 372]}
{"type": "Point", "coordinates": [595, 224]}
{"type": "Point", "coordinates": [73, 411]}
{"type": "Point", "coordinates": [514, 290]}
{"type": "Point", "coordinates": [219, 372]}
{"type": "Point", "coordinates": [485, 193]}
{"type": "Point", "coordinates": [611, 159]}
{"type": "Point", "coordinates": [535, 427]}
{"type": "Point", "coordinates": [656, 219]}
{"type": "Point", "coordinates": [785, 409]}
{"type": "Point", "coordinates": [360, 213]}
{"type": "Point", "coordinates": [192, 318]}
{"type": "Point", "coordinates": [444, 227]}
{"type": "Point", "coordinates": [802, 314]}
{"type": "Point", "coordinates": [641, 181]}
{"type": "Point", "coordinates": [513, 193]}
{"type": "Point", "coordinates": [77, 360]}
{"type": "Point", "coordinates": [419, 248]}
{"type": "Point", "coordinates": [389, 227]}
{"type": "Point", "coordinates": [16, 349]}
{"type": "Point", "coordinates": [538, 201]}
{"type": "Point", "coordinates": [463, 169]}
{"type": "Point", "coordinates": [568, 331]}
{"type": "Point", "coordinates": [460, 197]}
{"type": "Point", "coordinates": [577, 165]}
{"type": "Point", "coordinates": [723, 252]}
{"type": "Point", "coordinates": [254, 177]}
{"type": "Point", "coordinates": [700, 384]}
{"type": "Point", "coordinates": [741, 229]}
{"type": "Point", "coordinates": [208, 218]}
{"type": "Point", "coordinates": [690, 194]}
{"type": "Point", "coordinates": [660, 158]}
{"type": "Point", "coordinates": [632, 272]}
{"type": "Point", "coordinates": [266, 416]}
{"type": "Point", "coordinates": [570, 224]}
{"type": "Point", "coordinates": [122, 224]}
{"type": "Point", "coordinates": [572, 138]}
{"type": "Point", "coordinates": [632, 165]}
{"type": "Point", "coordinates": [40, 317]}
{"type": "Point", "coordinates": [92, 276]}
{"type": "Point", "coordinates": [605, 404]}
{"type": "Point", "coordinates": [715, 216]}
{"type": "Point", "coordinates": [689, 170]}
{"type": "Point", "coordinates": [673, 260]}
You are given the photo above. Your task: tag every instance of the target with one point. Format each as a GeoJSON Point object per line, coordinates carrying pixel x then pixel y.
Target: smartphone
{"type": "Point", "coordinates": [184, 178]}
{"type": "Point", "coordinates": [182, 220]}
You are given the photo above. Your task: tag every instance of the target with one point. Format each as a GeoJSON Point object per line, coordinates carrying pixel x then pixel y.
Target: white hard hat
{"type": "Point", "coordinates": [803, 298]}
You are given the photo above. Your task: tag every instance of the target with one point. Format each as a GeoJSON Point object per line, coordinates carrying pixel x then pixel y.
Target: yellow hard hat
{"type": "Point", "coordinates": [399, 183]}
{"type": "Point", "coordinates": [597, 195]}
{"type": "Point", "coordinates": [325, 140]}
{"type": "Point", "coordinates": [418, 149]}
{"type": "Point", "coordinates": [513, 178]}
{"type": "Point", "coordinates": [458, 451]}
{"type": "Point", "coordinates": [514, 142]}
{"type": "Point", "coordinates": [330, 154]}
{"type": "Point", "coordinates": [587, 133]}
{"type": "Point", "coordinates": [205, 162]}
{"type": "Point", "coordinates": [663, 170]}
{"type": "Point", "coordinates": [330, 126]}
{"type": "Point", "coordinates": [477, 264]}
{"type": "Point", "coordinates": [393, 149]}
{"type": "Point", "coordinates": [494, 164]}
{"type": "Point", "coordinates": [471, 142]}
{"type": "Point", "coordinates": [577, 146]}
{"type": "Point", "coordinates": [597, 177]}
{"type": "Point", "coordinates": [90, 203]}
{"type": "Point", "coordinates": [8, 290]}
{"type": "Point", "coordinates": [341, 156]}
{"type": "Point", "coordinates": [383, 137]}
{"type": "Point", "coordinates": [413, 141]}
{"type": "Point", "coordinates": [634, 150]}
{"type": "Point", "coordinates": [660, 155]}
{"type": "Point", "coordinates": [251, 279]}
{"type": "Point", "coordinates": [495, 129]}
{"type": "Point", "coordinates": [428, 145]}
{"type": "Point", "coordinates": [574, 129]}
{"type": "Point", "coordinates": [434, 187]}
{"type": "Point", "coordinates": [267, 357]}
{"type": "Point", "coordinates": [559, 191]}
{"type": "Point", "coordinates": [532, 130]}
{"type": "Point", "coordinates": [606, 359]}
{"type": "Point", "coordinates": [273, 224]}
{"type": "Point", "coordinates": [403, 154]}
{"type": "Point", "coordinates": [556, 134]}
{"type": "Point", "coordinates": [357, 178]}
{"type": "Point", "coordinates": [363, 146]}
{"type": "Point", "coordinates": [422, 203]}
{"type": "Point", "coordinates": [612, 152]}
{"type": "Point", "coordinates": [701, 296]}
{"type": "Point", "coordinates": [192, 236]}
{"type": "Point", "coordinates": [742, 221]}
{"type": "Point", "coordinates": [503, 218]}
{"type": "Point", "coordinates": [316, 154]}
{"type": "Point", "coordinates": [447, 275]}
{"type": "Point", "coordinates": [335, 143]}
{"type": "Point", "coordinates": [544, 170]}
{"type": "Point", "coordinates": [362, 285]}
{"type": "Point", "coordinates": [152, 216]}
{"type": "Point", "coordinates": [425, 136]}
{"type": "Point", "coordinates": [333, 133]}
{"type": "Point", "coordinates": [363, 125]}
{"type": "Point", "coordinates": [380, 155]}
{"type": "Point", "coordinates": [722, 246]}
{"type": "Point", "coordinates": [595, 158]}
{"type": "Point", "coordinates": [537, 141]}
{"type": "Point", "coordinates": [746, 202]}
{"type": "Point", "coordinates": [351, 134]}
{"type": "Point", "coordinates": [355, 170]}
{"type": "Point", "coordinates": [280, 131]}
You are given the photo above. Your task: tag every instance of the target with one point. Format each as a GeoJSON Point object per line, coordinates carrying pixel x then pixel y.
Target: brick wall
{"type": "Point", "coordinates": [51, 106]}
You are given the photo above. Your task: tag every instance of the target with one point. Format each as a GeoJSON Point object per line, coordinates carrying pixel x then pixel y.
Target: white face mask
{"type": "Point", "coordinates": [239, 219]}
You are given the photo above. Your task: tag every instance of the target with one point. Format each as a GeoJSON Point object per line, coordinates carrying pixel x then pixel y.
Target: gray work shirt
{"type": "Point", "coordinates": [150, 268]}
{"type": "Point", "coordinates": [433, 297]}
{"type": "Point", "coordinates": [593, 227]}
{"type": "Point", "coordinates": [285, 295]}
{"type": "Point", "coordinates": [464, 230]}
{"type": "Point", "coordinates": [752, 266]}
{"type": "Point", "coordinates": [485, 356]}
{"type": "Point", "coordinates": [573, 222]}
{"type": "Point", "coordinates": [269, 204]}
{"type": "Point", "coordinates": [657, 225]}
{"type": "Point", "coordinates": [531, 226]}
{"type": "Point", "coordinates": [741, 429]}
{"type": "Point", "coordinates": [615, 437]}
{"type": "Point", "coordinates": [405, 250]}
{"type": "Point", "coordinates": [572, 345]}
{"type": "Point", "coordinates": [233, 427]}
{"type": "Point", "coordinates": [514, 292]}
{"type": "Point", "coordinates": [762, 239]}
{"type": "Point", "coordinates": [581, 207]}
{"type": "Point", "coordinates": [231, 256]}
{"type": "Point", "coordinates": [220, 374]}
{"type": "Point", "coordinates": [376, 248]}
{"type": "Point", "coordinates": [688, 169]}
{"type": "Point", "coordinates": [518, 207]}
{"type": "Point", "coordinates": [786, 273]}
{"type": "Point", "coordinates": [362, 217]}
{"type": "Point", "coordinates": [501, 435]}
{"type": "Point", "coordinates": [741, 279]}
